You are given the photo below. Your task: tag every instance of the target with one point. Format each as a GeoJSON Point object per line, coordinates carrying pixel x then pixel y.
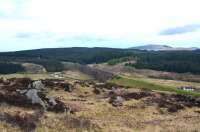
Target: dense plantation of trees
{"type": "Point", "coordinates": [77, 55]}
{"type": "Point", "coordinates": [172, 61]}
{"type": "Point", "coordinates": [121, 60]}
{"type": "Point", "coordinates": [7, 68]}
{"type": "Point", "coordinates": [52, 59]}
{"type": "Point", "coordinates": [49, 65]}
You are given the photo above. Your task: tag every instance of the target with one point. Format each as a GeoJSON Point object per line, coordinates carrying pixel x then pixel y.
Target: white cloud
{"type": "Point", "coordinates": [126, 20]}
{"type": "Point", "coordinates": [7, 7]}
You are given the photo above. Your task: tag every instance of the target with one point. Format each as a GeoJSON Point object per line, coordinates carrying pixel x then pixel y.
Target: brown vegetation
{"type": "Point", "coordinates": [93, 106]}
{"type": "Point", "coordinates": [98, 74]}
{"type": "Point", "coordinates": [16, 93]}
{"type": "Point", "coordinates": [27, 122]}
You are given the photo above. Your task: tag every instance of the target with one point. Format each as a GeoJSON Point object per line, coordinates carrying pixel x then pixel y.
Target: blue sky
{"type": "Point", "coordinates": [32, 24]}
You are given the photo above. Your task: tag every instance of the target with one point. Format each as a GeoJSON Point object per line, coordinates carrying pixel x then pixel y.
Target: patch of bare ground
{"type": "Point", "coordinates": [77, 75]}
{"type": "Point", "coordinates": [34, 68]}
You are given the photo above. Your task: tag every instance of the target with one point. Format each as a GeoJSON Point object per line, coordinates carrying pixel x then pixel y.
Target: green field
{"type": "Point", "coordinates": [141, 84]}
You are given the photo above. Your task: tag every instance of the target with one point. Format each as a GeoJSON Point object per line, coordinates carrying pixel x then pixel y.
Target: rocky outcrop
{"type": "Point", "coordinates": [60, 84]}
{"type": "Point", "coordinates": [32, 95]}
{"type": "Point", "coordinates": [37, 85]}
{"type": "Point", "coordinates": [28, 93]}
{"type": "Point", "coordinates": [116, 101]}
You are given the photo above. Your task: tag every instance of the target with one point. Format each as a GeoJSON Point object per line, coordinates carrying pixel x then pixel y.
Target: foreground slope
{"type": "Point", "coordinates": [97, 106]}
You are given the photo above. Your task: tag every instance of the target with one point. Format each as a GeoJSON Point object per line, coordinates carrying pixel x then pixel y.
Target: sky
{"type": "Point", "coordinates": [33, 24]}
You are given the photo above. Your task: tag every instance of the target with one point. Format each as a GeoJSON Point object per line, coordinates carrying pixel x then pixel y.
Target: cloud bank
{"type": "Point", "coordinates": [181, 30]}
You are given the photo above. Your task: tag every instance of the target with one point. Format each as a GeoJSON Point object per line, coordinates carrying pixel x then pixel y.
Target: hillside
{"type": "Point", "coordinates": [108, 96]}
{"type": "Point", "coordinates": [171, 61]}
{"type": "Point", "coordinates": [154, 47]}
{"type": "Point", "coordinates": [77, 55]}
{"type": "Point", "coordinates": [180, 61]}
{"type": "Point", "coordinates": [52, 59]}
{"type": "Point", "coordinates": [72, 104]}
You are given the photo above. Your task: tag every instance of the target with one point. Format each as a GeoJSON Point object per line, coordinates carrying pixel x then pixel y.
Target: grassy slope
{"type": "Point", "coordinates": [141, 84]}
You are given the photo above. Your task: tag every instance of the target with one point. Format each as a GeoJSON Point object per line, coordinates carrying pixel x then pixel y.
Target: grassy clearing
{"type": "Point", "coordinates": [173, 83]}
{"type": "Point", "coordinates": [141, 84]}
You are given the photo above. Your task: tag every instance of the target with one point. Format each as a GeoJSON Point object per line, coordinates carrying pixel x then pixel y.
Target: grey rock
{"type": "Point", "coordinates": [116, 101]}
{"type": "Point", "coordinates": [32, 94]}
{"type": "Point", "coordinates": [52, 101]}
{"type": "Point", "coordinates": [21, 91]}
{"type": "Point", "coordinates": [38, 85]}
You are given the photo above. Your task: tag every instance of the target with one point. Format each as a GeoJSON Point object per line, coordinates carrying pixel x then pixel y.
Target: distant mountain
{"type": "Point", "coordinates": [154, 47]}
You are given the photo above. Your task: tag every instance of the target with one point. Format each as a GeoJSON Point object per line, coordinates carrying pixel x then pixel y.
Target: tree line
{"type": "Point", "coordinates": [51, 59]}
{"type": "Point", "coordinates": [8, 68]}
{"type": "Point", "coordinates": [171, 61]}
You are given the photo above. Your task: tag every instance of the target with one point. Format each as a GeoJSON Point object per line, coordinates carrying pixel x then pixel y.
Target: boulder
{"type": "Point", "coordinates": [24, 92]}
{"type": "Point", "coordinates": [116, 91]}
{"type": "Point", "coordinates": [116, 101]}
{"type": "Point", "coordinates": [52, 101]}
{"type": "Point", "coordinates": [37, 85]}
{"type": "Point", "coordinates": [32, 95]}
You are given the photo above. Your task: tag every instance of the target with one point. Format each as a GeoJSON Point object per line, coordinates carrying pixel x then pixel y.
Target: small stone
{"type": "Point", "coordinates": [116, 101]}
{"type": "Point", "coordinates": [52, 101]}
{"type": "Point", "coordinates": [38, 85]}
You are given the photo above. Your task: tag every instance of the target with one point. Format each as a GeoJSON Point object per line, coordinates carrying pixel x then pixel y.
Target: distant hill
{"type": "Point", "coordinates": [154, 47]}
{"type": "Point", "coordinates": [162, 58]}
{"type": "Point", "coordinates": [76, 54]}
{"type": "Point", "coordinates": [51, 59]}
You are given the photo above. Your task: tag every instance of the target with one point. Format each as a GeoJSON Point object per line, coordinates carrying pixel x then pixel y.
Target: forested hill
{"type": "Point", "coordinates": [79, 55]}
{"type": "Point", "coordinates": [172, 61]}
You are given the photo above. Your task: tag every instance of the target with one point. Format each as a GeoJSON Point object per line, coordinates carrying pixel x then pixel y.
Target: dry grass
{"type": "Point", "coordinates": [77, 75]}
{"type": "Point", "coordinates": [61, 123]}
{"type": "Point", "coordinates": [102, 117]}
{"type": "Point", "coordinates": [173, 83]}
{"type": "Point", "coordinates": [97, 115]}
{"type": "Point", "coordinates": [135, 115]}
{"type": "Point", "coordinates": [27, 75]}
{"type": "Point", "coordinates": [68, 75]}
